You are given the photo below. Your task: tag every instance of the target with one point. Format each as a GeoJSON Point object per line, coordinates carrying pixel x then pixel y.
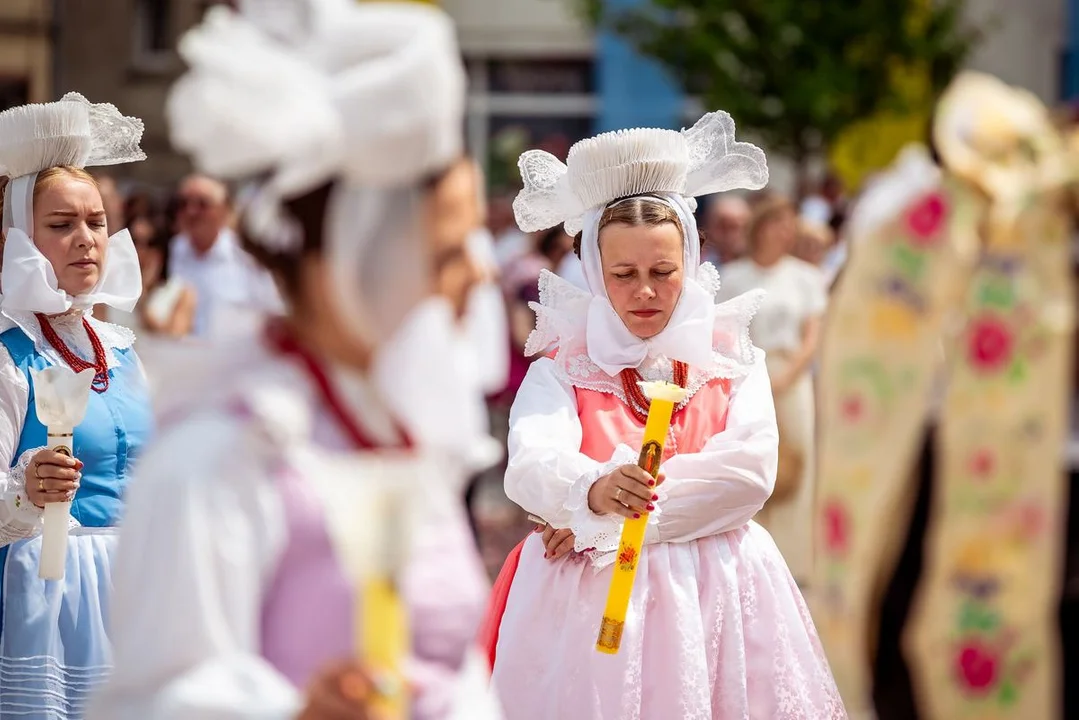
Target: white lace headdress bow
{"type": "Point", "coordinates": [34, 138]}
{"type": "Point", "coordinates": [675, 167]}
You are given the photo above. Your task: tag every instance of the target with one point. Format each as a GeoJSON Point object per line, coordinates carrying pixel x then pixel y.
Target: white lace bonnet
{"type": "Point", "coordinates": [303, 92]}
{"type": "Point", "coordinates": [673, 166]}
{"type": "Point", "coordinates": [703, 160]}
{"type": "Point", "coordinates": [33, 138]}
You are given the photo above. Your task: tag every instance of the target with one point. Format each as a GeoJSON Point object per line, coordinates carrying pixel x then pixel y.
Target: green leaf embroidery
{"type": "Point", "coordinates": [1017, 371]}
{"type": "Point", "coordinates": [1008, 693]}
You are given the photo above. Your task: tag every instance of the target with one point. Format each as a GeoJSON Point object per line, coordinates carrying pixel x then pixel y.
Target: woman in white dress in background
{"type": "Point", "coordinates": [787, 327]}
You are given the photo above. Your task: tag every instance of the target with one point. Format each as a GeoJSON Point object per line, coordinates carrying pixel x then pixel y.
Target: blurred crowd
{"type": "Point", "coordinates": [191, 258]}
{"type": "Point", "coordinates": [793, 246]}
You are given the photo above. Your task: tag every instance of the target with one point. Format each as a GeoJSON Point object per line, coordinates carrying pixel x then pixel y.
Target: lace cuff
{"type": "Point", "coordinates": [22, 519]}
{"type": "Point", "coordinates": [601, 532]}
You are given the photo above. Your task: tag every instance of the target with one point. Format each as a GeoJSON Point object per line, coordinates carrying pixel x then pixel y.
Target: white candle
{"type": "Point", "coordinates": [60, 398]}
{"type": "Point", "coordinates": [55, 518]}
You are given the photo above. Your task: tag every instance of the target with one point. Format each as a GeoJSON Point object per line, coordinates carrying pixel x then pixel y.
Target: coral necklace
{"type": "Point", "coordinates": [283, 341]}
{"type": "Point", "coordinates": [638, 403]}
{"type": "Point", "coordinates": [76, 363]}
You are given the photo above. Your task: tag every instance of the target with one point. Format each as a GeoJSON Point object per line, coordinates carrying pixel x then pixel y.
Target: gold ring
{"type": "Point", "coordinates": [618, 494]}
{"type": "Point", "coordinates": [41, 485]}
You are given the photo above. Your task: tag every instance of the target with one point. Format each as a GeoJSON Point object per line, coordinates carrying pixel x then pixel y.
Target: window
{"type": "Point", "coordinates": [14, 91]}
{"type": "Point", "coordinates": [517, 104]}
{"type": "Point", "coordinates": [153, 26]}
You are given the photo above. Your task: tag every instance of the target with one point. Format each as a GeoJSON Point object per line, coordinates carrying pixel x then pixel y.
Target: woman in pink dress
{"type": "Point", "coordinates": [716, 627]}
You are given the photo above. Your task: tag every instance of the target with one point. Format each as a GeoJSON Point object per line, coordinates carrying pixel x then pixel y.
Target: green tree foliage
{"type": "Point", "coordinates": [794, 73]}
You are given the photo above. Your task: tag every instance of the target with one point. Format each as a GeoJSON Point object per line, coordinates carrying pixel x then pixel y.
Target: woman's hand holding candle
{"type": "Point", "coordinates": [341, 691]}
{"type": "Point", "coordinates": [628, 491]}
{"type": "Point", "coordinates": [52, 477]}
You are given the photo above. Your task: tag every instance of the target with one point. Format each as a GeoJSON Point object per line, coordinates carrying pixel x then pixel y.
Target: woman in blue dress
{"type": "Point", "coordinates": [58, 262]}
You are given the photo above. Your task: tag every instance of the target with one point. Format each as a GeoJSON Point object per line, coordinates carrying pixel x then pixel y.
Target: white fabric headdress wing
{"type": "Point", "coordinates": [318, 89]}
{"type": "Point", "coordinates": [702, 160]}
{"type": "Point", "coordinates": [72, 131]}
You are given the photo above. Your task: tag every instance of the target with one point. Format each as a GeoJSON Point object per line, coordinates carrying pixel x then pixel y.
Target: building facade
{"type": "Point", "coordinates": [124, 52]}
{"type": "Point", "coordinates": [538, 75]}
{"type": "Point", "coordinates": [27, 35]}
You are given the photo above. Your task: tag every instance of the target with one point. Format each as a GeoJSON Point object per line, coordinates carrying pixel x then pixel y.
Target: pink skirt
{"type": "Point", "coordinates": [716, 630]}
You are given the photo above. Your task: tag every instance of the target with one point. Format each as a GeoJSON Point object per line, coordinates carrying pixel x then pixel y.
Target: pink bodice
{"type": "Point", "coordinates": [606, 421]}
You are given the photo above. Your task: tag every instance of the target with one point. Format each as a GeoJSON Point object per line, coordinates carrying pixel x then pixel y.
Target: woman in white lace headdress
{"type": "Point", "coordinates": [59, 261]}
{"type": "Point", "coordinates": [281, 451]}
{"type": "Point", "coordinates": [716, 627]}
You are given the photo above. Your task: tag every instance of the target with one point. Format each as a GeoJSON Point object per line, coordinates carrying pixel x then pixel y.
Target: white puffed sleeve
{"type": "Point", "coordinates": [203, 530]}
{"type": "Point", "coordinates": [19, 518]}
{"type": "Point", "coordinates": [546, 474]}
{"type": "Point", "coordinates": [724, 485]}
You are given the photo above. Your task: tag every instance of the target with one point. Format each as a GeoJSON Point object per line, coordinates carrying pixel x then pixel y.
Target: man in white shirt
{"type": "Point", "coordinates": [207, 255]}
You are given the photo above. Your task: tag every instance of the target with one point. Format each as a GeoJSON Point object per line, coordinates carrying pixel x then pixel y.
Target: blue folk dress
{"type": "Point", "coordinates": [54, 646]}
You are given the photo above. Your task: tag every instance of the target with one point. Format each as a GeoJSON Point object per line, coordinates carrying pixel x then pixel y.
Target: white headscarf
{"type": "Point", "coordinates": [34, 138]}
{"type": "Point", "coordinates": [688, 335]}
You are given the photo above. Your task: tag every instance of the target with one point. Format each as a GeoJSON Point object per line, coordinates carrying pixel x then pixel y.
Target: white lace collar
{"type": "Point", "coordinates": [69, 327]}
{"type": "Point", "coordinates": [561, 315]}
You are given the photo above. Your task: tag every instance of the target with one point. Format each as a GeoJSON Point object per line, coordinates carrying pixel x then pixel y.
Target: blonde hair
{"type": "Point", "coordinates": [639, 211]}
{"type": "Point", "coordinates": [47, 177]}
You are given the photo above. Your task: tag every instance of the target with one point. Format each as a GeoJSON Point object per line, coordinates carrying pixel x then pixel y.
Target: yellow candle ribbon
{"type": "Point", "coordinates": [663, 397]}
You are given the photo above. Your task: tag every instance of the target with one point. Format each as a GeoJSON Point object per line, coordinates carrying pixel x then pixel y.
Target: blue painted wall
{"type": "Point", "coordinates": [633, 91]}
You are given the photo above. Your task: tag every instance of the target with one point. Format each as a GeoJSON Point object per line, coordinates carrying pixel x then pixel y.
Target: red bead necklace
{"type": "Point", "coordinates": [281, 339]}
{"type": "Point", "coordinates": [635, 398]}
{"type": "Point", "coordinates": [76, 363]}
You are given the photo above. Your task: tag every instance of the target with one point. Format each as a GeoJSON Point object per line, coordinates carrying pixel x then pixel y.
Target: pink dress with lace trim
{"type": "Point", "coordinates": [720, 632]}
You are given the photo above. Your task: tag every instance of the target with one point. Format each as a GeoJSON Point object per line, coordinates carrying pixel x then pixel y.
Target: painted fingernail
{"type": "Point", "coordinates": [649, 507]}
{"type": "Point", "coordinates": [546, 555]}
{"type": "Point", "coordinates": [636, 516]}
{"type": "Point", "coordinates": [655, 497]}
{"type": "Point", "coordinates": [79, 464]}
{"type": "Point", "coordinates": [588, 549]}
{"type": "Point", "coordinates": [651, 483]}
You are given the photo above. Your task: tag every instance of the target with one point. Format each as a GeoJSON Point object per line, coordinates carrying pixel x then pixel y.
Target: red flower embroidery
{"type": "Point", "coordinates": [925, 219]}
{"type": "Point", "coordinates": [976, 666]}
{"type": "Point", "coordinates": [836, 527]}
{"type": "Point", "coordinates": [982, 464]}
{"type": "Point", "coordinates": [628, 556]}
{"type": "Point", "coordinates": [852, 408]}
{"type": "Point", "coordinates": [1031, 520]}
{"type": "Point", "coordinates": [990, 344]}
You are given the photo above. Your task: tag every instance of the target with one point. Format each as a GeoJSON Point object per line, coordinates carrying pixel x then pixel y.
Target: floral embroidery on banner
{"type": "Point", "coordinates": [927, 219]}
{"type": "Point", "coordinates": [993, 655]}
{"type": "Point", "coordinates": [837, 527]}
{"type": "Point", "coordinates": [990, 344]}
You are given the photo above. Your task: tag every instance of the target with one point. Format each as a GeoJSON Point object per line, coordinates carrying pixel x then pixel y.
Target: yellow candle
{"type": "Point", "coordinates": [384, 644]}
{"type": "Point", "coordinates": [663, 396]}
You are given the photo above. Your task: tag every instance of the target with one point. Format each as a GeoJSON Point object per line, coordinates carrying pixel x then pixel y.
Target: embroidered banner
{"type": "Point", "coordinates": [964, 279]}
